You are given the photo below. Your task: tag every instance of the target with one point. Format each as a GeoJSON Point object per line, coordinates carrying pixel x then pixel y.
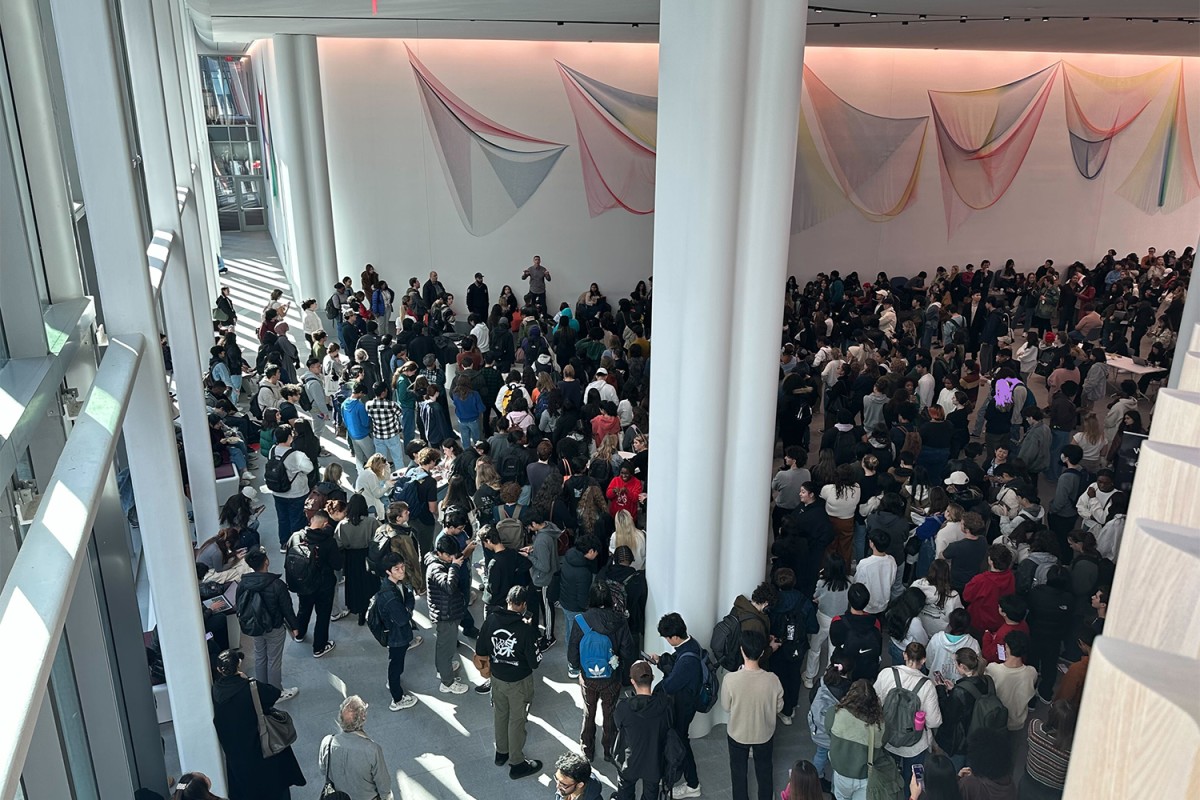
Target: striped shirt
{"type": "Point", "coordinates": [385, 418]}
{"type": "Point", "coordinates": [1047, 764]}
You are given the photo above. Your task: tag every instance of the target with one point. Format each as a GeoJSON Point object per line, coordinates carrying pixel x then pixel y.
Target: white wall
{"type": "Point", "coordinates": [392, 206]}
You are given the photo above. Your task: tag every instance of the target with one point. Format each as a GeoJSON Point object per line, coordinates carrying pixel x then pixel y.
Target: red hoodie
{"type": "Point", "coordinates": [982, 595]}
{"type": "Point", "coordinates": [993, 638]}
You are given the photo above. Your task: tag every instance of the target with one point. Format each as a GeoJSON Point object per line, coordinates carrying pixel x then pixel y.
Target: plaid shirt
{"type": "Point", "coordinates": [385, 418]}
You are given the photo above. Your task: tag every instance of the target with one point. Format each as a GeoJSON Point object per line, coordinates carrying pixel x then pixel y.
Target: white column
{"type": "Point", "coordinates": [771, 121]}
{"type": "Point", "coordinates": [93, 79]}
{"type": "Point", "coordinates": [317, 158]}
{"type": "Point", "coordinates": [34, 105]}
{"type": "Point", "coordinates": [159, 169]}
{"type": "Point", "coordinates": [1187, 327]}
{"type": "Point", "coordinates": [729, 84]}
{"type": "Point", "coordinates": [292, 159]}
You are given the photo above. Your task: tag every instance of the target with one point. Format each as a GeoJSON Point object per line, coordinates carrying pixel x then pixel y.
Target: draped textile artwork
{"type": "Point", "coordinates": [617, 132]}
{"type": "Point", "coordinates": [816, 196]}
{"type": "Point", "coordinates": [1164, 178]}
{"type": "Point", "coordinates": [489, 181]}
{"type": "Point", "coordinates": [875, 160]}
{"type": "Point", "coordinates": [983, 137]}
{"type": "Point", "coordinates": [1099, 107]}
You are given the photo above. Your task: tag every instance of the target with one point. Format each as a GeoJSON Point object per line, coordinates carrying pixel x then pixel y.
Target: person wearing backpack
{"type": "Point", "coordinates": [643, 721]}
{"type": "Point", "coordinates": [905, 692]}
{"type": "Point", "coordinates": [600, 651]}
{"type": "Point", "coordinates": [578, 571]}
{"type": "Point", "coordinates": [857, 633]}
{"type": "Point", "coordinates": [831, 688]}
{"type": "Point", "coordinates": [395, 536]}
{"type": "Point", "coordinates": [391, 621]}
{"type": "Point", "coordinates": [286, 476]}
{"type": "Point", "coordinates": [685, 673]}
{"type": "Point", "coordinates": [509, 643]}
{"type": "Point", "coordinates": [445, 571]}
{"type": "Point", "coordinates": [312, 559]}
{"type": "Point", "coordinates": [264, 609]}
{"type": "Point", "coordinates": [418, 489]}
{"type": "Point", "coordinates": [855, 727]}
{"type": "Point", "coordinates": [968, 700]}
{"type": "Point", "coordinates": [793, 620]}
{"type": "Point", "coordinates": [1049, 622]}
{"type": "Point", "coordinates": [1067, 491]}
{"type": "Point", "coordinates": [752, 697]}
{"type": "Point", "coordinates": [543, 559]}
{"type": "Point", "coordinates": [1033, 570]}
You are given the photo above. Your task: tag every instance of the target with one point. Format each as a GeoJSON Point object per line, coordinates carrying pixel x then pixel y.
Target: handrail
{"type": "Point", "coordinates": [39, 588]}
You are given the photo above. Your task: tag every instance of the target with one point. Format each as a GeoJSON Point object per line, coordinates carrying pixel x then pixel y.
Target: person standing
{"type": "Point", "coordinates": [445, 570]}
{"type": "Point", "coordinates": [786, 484]}
{"type": "Point", "coordinates": [1016, 681]}
{"type": "Point", "coordinates": [909, 677]}
{"type": "Point", "coordinates": [599, 650]}
{"type": "Point", "coordinates": [351, 761]}
{"type": "Point", "coordinates": [684, 677]}
{"type": "Point", "coordinates": [509, 643]}
{"type": "Point", "coordinates": [752, 697]}
{"type": "Point", "coordinates": [251, 776]}
{"type": "Point", "coordinates": [432, 290]}
{"type": "Point", "coordinates": [855, 727]}
{"type": "Point", "coordinates": [290, 487]}
{"type": "Point", "coordinates": [313, 558]}
{"type": "Point", "coordinates": [313, 383]}
{"type": "Point", "coordinates": [395, 602]}
{"type": "Point", "coordinates": [386, 419]}
{"type": "Point", "coordinates": [537, 275]}
{"type": "Point", "coordinates": [358, 424]}
{"type": "Point", "coordinates": [543, 559]}
{"type": "Point", "coordinates": [353, 534]}
{"type": "Point", "coordinates": [264, 609]}
{"type": "Point", "coordinates": [642, 723]}
{"type": "Point", "coordinates": [477, 298]}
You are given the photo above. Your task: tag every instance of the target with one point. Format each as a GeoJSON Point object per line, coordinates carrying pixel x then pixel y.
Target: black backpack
{"type": "Point", "coordinates": [252, 613]}
{"type": "Point", "coordinates": [276, 472]}
{"type": "Point", "coordinates": [375, 620]}
{"type": "Point", "coordinates": [300, 566]}
{"type": "Point", "coordinates": [989, 711]}
{"type": "Point", "coordinates": [306, 401]}
{"type": "Point", "coordinates": [256, 410]}
{"type": "Point", "coordinates": [381, 545]}
{"type": "Point", "coordinates": [726, 642]}
{"type": "Point", "coordinates": [509, 468]}
{"type": "Point", "coordinates": [332, 311]}
{"type": "Point", "coordinates": [797, 624]}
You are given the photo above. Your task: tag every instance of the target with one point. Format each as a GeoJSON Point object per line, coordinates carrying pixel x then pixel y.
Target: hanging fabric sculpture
{"type": "Point", "coordinates": [617, 132]}
{"type": "Point", "coordinates": [875, 160]}
{"type": "Point", "coordinates": [816, 196]}
{"type": "Point", "coordinates": [489, 182]}
{"type": "Point", "coordinates": [1099, 107]}
{"type": "Point", "coordinates": [1164, 178]}
{"type": "Point", "coordinates": [983, 138]}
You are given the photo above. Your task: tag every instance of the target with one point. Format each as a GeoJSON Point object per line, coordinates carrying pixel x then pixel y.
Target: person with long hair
{"type": "Point", "coordinates": [941, 781]}
{"type": "Point", "coordinates": [855, 727]}
{"type": "Point", "coordinates": [219, 552]}
{"type": "Point", "coordinates": [353, 535]}
{"type": "Point", "coordinates": [1131, 422]}
{"type": "Point", "coordinates": [830, 597]}
{"type": "Point", "coordinates": [957, 695]}
{"type": "Point", "coordinates": [468, 409]}
{"type": "Point", "coordinates": [626, 534]}
{"type": "Point", "coordinates": [902, 622]}
{"type": "Point", "coordinates": [251, 776]}
{"type": "Point", "coordinates": [841, 501]}
{"type": "Point", "coordinates": [1049, 752]}
{"type": "Point", "coordinates": [375, 483]}
{"type": "Point", "coordinates": [825, 470]}
{"type": "Point", "coordinates": [940, 597]}
{"type": "Point", "coordinates": [828, 692]}
{"type": "Point", "coordinates": [1091, 440]}
{"type": "Point", "coordinates": [804, 783]}
{"type": "Point", "coordinates": [592, 513]}
{"type": "Point", "coordinates": [909, 675]}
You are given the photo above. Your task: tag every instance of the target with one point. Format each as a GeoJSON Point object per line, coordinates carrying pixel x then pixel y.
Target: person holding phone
{"type": "Point", "coordinates": [936, 780]}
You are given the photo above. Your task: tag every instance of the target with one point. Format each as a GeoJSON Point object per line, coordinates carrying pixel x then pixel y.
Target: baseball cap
{"type": "Point", "coordinates": [957, 478]}
{"type": "Point", "coordinates": [602, 371]}
{"type": "Point", "coordinates": [478, 274]}
{"type": "Point", "coordinates": [641, 670]}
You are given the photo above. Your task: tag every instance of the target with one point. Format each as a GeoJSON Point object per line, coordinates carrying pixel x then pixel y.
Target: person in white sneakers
{"type": "Point", "coordinates": [395, 602]}
{"type": "Point", "coordinates": [877, 572]}
{"type": "Point", "coordinates": [445, 571]}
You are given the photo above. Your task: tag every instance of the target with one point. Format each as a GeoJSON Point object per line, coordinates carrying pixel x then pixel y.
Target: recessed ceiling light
{"type": "Point", "coordinates": [1045, 19]}
{"type": "Point", "coordinates": [922, 16]}
{"type": "Point", "coordinates": [1006, 19]}
{"type": "Point", "coordinates": [873, 15]}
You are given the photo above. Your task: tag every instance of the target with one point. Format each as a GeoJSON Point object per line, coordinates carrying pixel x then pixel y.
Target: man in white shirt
{"type": "Point", "coordinates": [877, 572]}
{"type": "Point", "coordinates": [1092, 505]}
{"type": "Point", "coordinates": [925, 384]}
{"type": "Point", "coordinates": [480, 331]}
{"type": "Point", "coordinates": [887, 320]}
{"type": "Point", "coordinates": [607, 392]}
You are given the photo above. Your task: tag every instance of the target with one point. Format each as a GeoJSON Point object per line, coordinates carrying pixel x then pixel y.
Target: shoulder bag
{"type": "Point", "coordinates": [883, 779]}
{"type": "Point", "coordinates": [329, 791]}
{"type": "Point", "coordinates": [276, 731]}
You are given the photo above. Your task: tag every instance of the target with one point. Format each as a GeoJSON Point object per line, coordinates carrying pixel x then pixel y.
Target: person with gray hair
{"type": "Point", "coordinates": [351, 761]}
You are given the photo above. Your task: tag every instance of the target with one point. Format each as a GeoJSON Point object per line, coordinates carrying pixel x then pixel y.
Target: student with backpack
{"type": "Point", "coordinates": [600, 650]}
{"type": "Point", "coordinates": [418, 489]}
{"type": "Point", "coordinates": [855, 726]}
{"type": "Point", "coordinates": [286, 476]}
{"type": "Point", "coordinates": [1067, 491]}
{"type": "Point", "coordinates": [858, 634]}
{"type": "Point", "coordinates": [390, 620]}
{"type": "Point", "coordinates": [578, 569]}
{"type": "Point", "coordinates": [747, 614]}
{"type": "Point", "coordinates": [543, 557]}
{"type": "Point", "coordinates": [907, 694]}
{"type": "Point", "coordinates": [643, 721]}
{"type": "Point", "coordinates": [968, 701]}
{"type": "Point", "coordinates": [264, 610]}
{"type": "Point", "coordinates": [509, 644]}
{"type": "Point", "coordinates": [312, 559]}
{"type": "Point", "coordinates": [688, 682]}
{"type": "Point", "coordinates": [793, 621]}
{"type": "Point", "coordinates": [752, 697]}
{"type": "Point", "coordinates": [825, 695]}
{"type": "Point", "coordinates": [1049, 622]}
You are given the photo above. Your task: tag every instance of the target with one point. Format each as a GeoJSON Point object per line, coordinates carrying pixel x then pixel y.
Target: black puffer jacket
{"type": "Point", "coordinates": [577, 571]}
{"type": "Point", "coordinates": [642, 724]}
{"type": "Point", "coordinates": [444, 580]}
{"type": "Point", "coordinates": [276, 607]}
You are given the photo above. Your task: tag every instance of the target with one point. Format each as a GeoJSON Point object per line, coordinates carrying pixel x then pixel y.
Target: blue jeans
{"type": "Point", "coordinates": [390, 448]}
{"type": "Point", "coordinates": [289, 516]}
{"type": "Point", "coordinates": [860, 541]}
{"type": "Point", "coordinates": [470, 431]}
{"type": "Point", "coordinates": [235, 387]}
{"type": "Point", "coordinates": [820, 760]}
{"type": "Point", "coordinates": [237, 457]}
{"type": "Point", "coordinates": [925, 557]}
{"type": "Point", "coordinates": [1058, 440]}
{"type": "Point", "coordinates": [408, 426]}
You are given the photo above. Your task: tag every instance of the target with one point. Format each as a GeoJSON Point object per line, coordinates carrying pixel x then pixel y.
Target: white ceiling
{"type": "Point", "coordinates": [1107, 31]}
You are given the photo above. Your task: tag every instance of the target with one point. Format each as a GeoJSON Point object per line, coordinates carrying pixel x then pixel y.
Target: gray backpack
{"type": "Point", "coordinates": [900, 709]}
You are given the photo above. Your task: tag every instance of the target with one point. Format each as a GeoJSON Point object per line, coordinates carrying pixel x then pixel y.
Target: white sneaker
{"type": "Point", "coordinates": [340, 615]}
{"type": "Point", "coordinates": [288, 694]}
{"type": "Point", "coordinates": [686, 791]}
{"type": "Point", "coordinates": [408, 701]}
{"type": "Point", "coordinates": [458, 687]}
{"type": "Point", "coordinates": [786, 719]}
{"type": "Point", "coordinates": [808, 682]}
{"type": "Point", "coordinates": [416, 642]}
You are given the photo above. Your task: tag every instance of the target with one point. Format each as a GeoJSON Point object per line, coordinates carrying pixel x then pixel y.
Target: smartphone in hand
{"type": "Point", "coordinates": [919, 774]}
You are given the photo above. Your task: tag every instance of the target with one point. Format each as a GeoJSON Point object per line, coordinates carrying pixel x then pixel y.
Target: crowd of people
{"type": "Point", "coordinates": [938, 568]}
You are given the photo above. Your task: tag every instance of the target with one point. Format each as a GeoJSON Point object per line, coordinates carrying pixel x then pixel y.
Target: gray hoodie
{"type": "Point", "coordinates": [873, 410]}
{"type": "Point", "coordinates": [544, 555]}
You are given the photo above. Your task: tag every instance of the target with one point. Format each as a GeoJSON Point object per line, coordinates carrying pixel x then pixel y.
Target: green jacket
{"type": "Point", "coordinates": [848, 743]}
{"type": "Point", "coordinates": [404, 395]}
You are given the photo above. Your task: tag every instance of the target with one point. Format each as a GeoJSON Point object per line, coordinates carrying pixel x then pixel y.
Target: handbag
{"type": "Point", "coordinates": [883, 780]}
{"type": "Point", "coordinates": [219, 314]}
{"type": "Point", "coordinates": [276, 731]}
{"type": "Point", "coordinates": [329, 791]}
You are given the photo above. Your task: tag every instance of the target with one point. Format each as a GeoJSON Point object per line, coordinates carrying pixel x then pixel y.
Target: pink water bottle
{"type": "Point", "coordinates": [919, 721]}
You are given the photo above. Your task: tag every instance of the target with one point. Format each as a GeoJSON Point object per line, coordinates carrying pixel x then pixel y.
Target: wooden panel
{"type": "Point", "coordinates": [1166, 486]}
{"type": "Point", "coordinates": [1139, 731]}
{"type": "Point", "coordinates": [1189, 373]}
{"type": "Point", "coordinates": [1177, 417]}
{"type": "Point", "coordinates": [1156, 594]}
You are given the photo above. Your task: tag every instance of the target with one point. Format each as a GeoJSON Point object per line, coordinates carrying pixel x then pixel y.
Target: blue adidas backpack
{"type": "Point", "coordinates": [596, 657]}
